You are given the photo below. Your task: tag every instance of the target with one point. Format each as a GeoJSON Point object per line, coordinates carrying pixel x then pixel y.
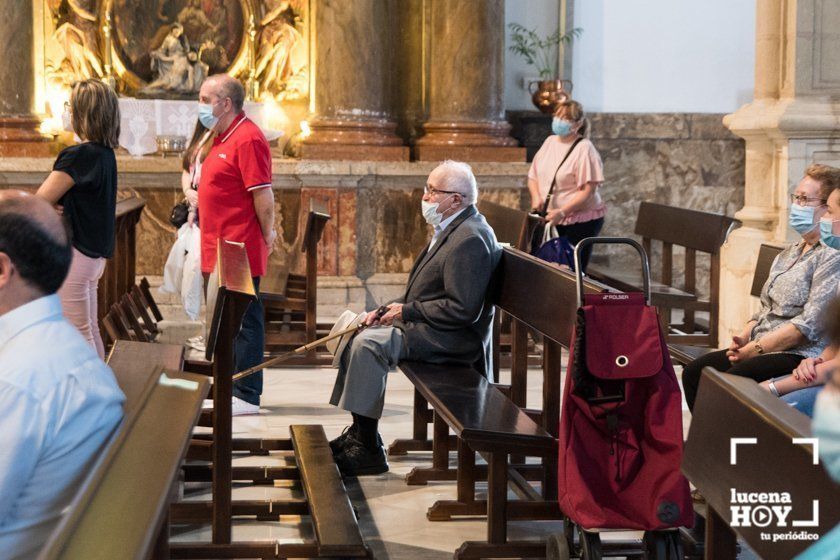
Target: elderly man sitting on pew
{"type": "Point", "coordinates": [59, 401]}
{"type": "Point", "coordinates": [443, 317]}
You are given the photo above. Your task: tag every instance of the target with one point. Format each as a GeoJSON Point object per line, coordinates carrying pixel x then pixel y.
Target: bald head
{"type": "Point", "coordinates": [226, 87]}
{"type": "Point", "coordinates": [33, 242]}
{"type": "Point", "coordinates": [36, 209]}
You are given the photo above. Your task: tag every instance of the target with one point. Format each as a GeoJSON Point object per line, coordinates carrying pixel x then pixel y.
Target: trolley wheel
{"type": "Point", "coordinates": [590, 545]}
{"type": "Point", "coordinates": [557, 548]}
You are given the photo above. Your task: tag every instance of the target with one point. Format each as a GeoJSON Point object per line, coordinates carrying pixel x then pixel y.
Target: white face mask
{"type": "Point", "coordinates": [66, 121]}
{"type": "Point", "coordinates": [430, 212]}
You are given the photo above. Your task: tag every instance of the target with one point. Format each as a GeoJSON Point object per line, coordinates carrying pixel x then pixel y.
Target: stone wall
{"type": "Point", "coordinates": [376, 229]}
{"type": "Point", "coordinates": [686, 160]}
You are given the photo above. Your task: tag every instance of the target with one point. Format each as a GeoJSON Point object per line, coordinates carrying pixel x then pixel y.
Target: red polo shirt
{"type": "Point", "coordinates": [238, 163]}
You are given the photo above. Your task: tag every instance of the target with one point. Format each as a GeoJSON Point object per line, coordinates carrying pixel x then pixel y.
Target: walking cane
{"type": "Point", "coordinates": [306, 347]}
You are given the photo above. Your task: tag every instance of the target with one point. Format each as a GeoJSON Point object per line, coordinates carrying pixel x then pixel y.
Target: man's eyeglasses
{"type": "Point", "coordinates": [803, 200]}
{"type": "Point", "coordinates": [431, 191]}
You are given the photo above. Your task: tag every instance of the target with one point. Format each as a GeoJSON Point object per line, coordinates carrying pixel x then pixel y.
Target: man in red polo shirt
{"type": "Point", "coordinates": [237, 204]}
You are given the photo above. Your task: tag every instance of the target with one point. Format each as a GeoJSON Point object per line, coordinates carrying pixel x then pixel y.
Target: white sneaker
{"type": "Point", "coordinates": [242, 408]}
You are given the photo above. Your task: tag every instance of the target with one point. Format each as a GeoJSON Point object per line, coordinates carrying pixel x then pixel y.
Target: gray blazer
{"type": "Point", "coordinates": [445, 315]}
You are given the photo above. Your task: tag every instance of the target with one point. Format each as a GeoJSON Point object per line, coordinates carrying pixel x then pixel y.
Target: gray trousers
{"type": "Point", "coordinates": [363, 371]}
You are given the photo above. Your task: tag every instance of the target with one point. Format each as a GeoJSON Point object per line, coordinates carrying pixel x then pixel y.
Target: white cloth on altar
{"type": "Point", "coordinates": [141, 120]}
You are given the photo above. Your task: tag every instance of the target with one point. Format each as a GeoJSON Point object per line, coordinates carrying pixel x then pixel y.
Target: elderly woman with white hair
{"type": "Point", "coordinates": [443, 317]}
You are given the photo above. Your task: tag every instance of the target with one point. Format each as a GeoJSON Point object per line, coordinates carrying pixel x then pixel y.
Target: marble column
{"type": "Point", "coordinates": [351, 118]}
{"type": "Point", "coordinates": [793, 121]}
{"type": "Point", "coordinates": [19, 134]}
{"type": "Point", "coordinates": [465, 49]}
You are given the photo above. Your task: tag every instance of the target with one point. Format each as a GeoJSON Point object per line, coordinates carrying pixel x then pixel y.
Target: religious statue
{"type": "Point", "coordinates": [76, 33]}
{"type": "Point", "coordinates": [177, 69]}
{"type": "Point", "coordinates": [282, 58]}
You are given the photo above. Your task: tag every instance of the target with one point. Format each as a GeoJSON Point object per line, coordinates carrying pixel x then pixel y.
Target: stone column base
{"type": "Point", "coordinates": [354, 139]}
{"type": "Point", "coordinates": [468, 141]}
{"type": "Point", "coordinates": [19, 137]}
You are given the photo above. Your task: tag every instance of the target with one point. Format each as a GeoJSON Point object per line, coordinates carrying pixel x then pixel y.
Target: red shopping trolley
{"type": "Point", "coordinates": [621, 438]}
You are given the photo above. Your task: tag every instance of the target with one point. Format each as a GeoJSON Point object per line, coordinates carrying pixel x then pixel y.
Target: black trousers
{"type": "Point", "coordinates": [575, 232]}
{"type": "Point", "coordinates": [761, 368]}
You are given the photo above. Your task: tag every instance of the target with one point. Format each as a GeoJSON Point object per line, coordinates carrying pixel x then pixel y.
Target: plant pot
{"type": "Point", "coordinates": [549, 93]}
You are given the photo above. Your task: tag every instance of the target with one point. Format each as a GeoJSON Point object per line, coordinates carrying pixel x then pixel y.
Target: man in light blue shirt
{"type": "Point", "coordinates": [59, 403]}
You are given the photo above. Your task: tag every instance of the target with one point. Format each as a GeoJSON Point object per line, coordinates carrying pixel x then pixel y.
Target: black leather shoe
{"type": "Point", "coordinates": [357, 460]}
{"type": "Point", "coordinates": [338, 443]}
{"type": "Point", "coordinates": [348, 433]}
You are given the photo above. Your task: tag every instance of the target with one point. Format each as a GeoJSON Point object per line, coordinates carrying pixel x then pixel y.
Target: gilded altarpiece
{"type": "Point", "coordinates": [163, 49]}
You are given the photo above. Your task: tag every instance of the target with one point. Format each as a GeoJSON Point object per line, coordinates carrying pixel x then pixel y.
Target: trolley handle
{"type": "Point", "coordinates": [584, 243]}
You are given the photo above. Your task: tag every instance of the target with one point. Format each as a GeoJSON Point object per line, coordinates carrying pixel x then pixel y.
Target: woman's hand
{"type": "Point", "coordinates": [192, 197]}
{"type": "Point", "coordinates": [806, 371]}
{"type": "Point", "coordinates": [742, 354]}
{"type": "Point", "coordinates": [555, 216]}
{"type": "Point", "coordinates": [738, 342]}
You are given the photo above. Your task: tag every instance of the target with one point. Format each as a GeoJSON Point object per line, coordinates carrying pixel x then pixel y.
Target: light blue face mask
{"type": "Point", "coordinates": [827, 235]}
{"type": "Point", "coordinates": [561, 127]}
{"type": "Point", "coordinates": [826, 426]}
{"type": "Point", "coordinates": [802, 218]}
{"type": "Point", "coordinates": [206, 116]}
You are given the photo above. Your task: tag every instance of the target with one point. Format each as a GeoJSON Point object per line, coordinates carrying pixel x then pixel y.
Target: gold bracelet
{"type": "Point", "coordinates": [758, 347]}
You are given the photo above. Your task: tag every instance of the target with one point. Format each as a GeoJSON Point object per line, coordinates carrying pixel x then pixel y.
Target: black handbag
{"type": "Point", "coordinates": [179, 214]}
{"type": "Point", "coordinates": [539, 237]}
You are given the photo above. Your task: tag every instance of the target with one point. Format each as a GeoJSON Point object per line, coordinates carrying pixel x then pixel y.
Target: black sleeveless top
{"type": "Point", "coordinates": [90, 203]}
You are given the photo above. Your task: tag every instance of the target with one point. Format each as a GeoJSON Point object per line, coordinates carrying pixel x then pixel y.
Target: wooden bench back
{"type": "Point", "coordinates": [236, 291]}
{"type": "Point", "coordinates": [729, 407]}
{"type": "Point", "coordinates": [695, 231]}
{"type": "Point", "coordinates": [766, 255]}
{"type": "Point", "coordinates": [120, 269]}
{"type": "Point", "coordinates": [512, 226]}
{"type": "Point", "coordinates": [538, 294]}
{"type": "Point", "coordinates": [702, 231]}
{"type": "Point", "coordinates": [121, 507]}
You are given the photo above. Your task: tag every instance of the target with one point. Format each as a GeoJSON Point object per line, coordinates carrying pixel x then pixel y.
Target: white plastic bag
{"type": "Point", "coordinates": [191, 282]}
{"type": "Point", "coordinates": [173, 270]}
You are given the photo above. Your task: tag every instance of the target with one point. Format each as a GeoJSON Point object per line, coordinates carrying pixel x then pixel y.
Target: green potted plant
{"type": "Point", "coordinates": [542, 53]}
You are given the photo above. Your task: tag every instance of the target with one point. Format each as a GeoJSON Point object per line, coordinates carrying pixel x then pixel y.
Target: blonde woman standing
{"type": "Point", "coordinates": [83, 186]}
{"type": "Point", "coordinates": [569, 161]}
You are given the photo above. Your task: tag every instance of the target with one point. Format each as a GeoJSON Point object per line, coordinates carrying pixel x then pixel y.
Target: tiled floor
{"type": "Point", "coordinates": [392, 514]}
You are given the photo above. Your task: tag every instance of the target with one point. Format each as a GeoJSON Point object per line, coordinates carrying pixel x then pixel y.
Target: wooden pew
{"type": "Point", "coordinates": [497, 425]}
{"type": "Point", "coordinates": [336, 527]}
{"type": "Point", "coordinates": [120, 269]}
{"type": "Point", "coordinates": [779, 460]}
{"type": "Point", "coordinates": [767, 253]}
{"type": "Point", "coordinates": [696, 232]}
{"type": "Point", "coordinates": [120, 510]}
{"type": "Point", "coordinates": [290, 300]}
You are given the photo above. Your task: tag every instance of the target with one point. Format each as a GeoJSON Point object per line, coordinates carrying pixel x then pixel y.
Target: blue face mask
{"type": "Point", "coordinates": [561, 127]}
{"type": "Point", "coordinates": [827, 235]}
{"type": "Point", "coordinates": [206, 116]}
{"type": "Point", "coordinates": [802, 218]}
{"type": "Point", "coordinates": [826, 426]}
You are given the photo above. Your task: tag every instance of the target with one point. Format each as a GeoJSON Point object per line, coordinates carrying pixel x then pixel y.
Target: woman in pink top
{"type": "Point", "coordinates": [575, 207]}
